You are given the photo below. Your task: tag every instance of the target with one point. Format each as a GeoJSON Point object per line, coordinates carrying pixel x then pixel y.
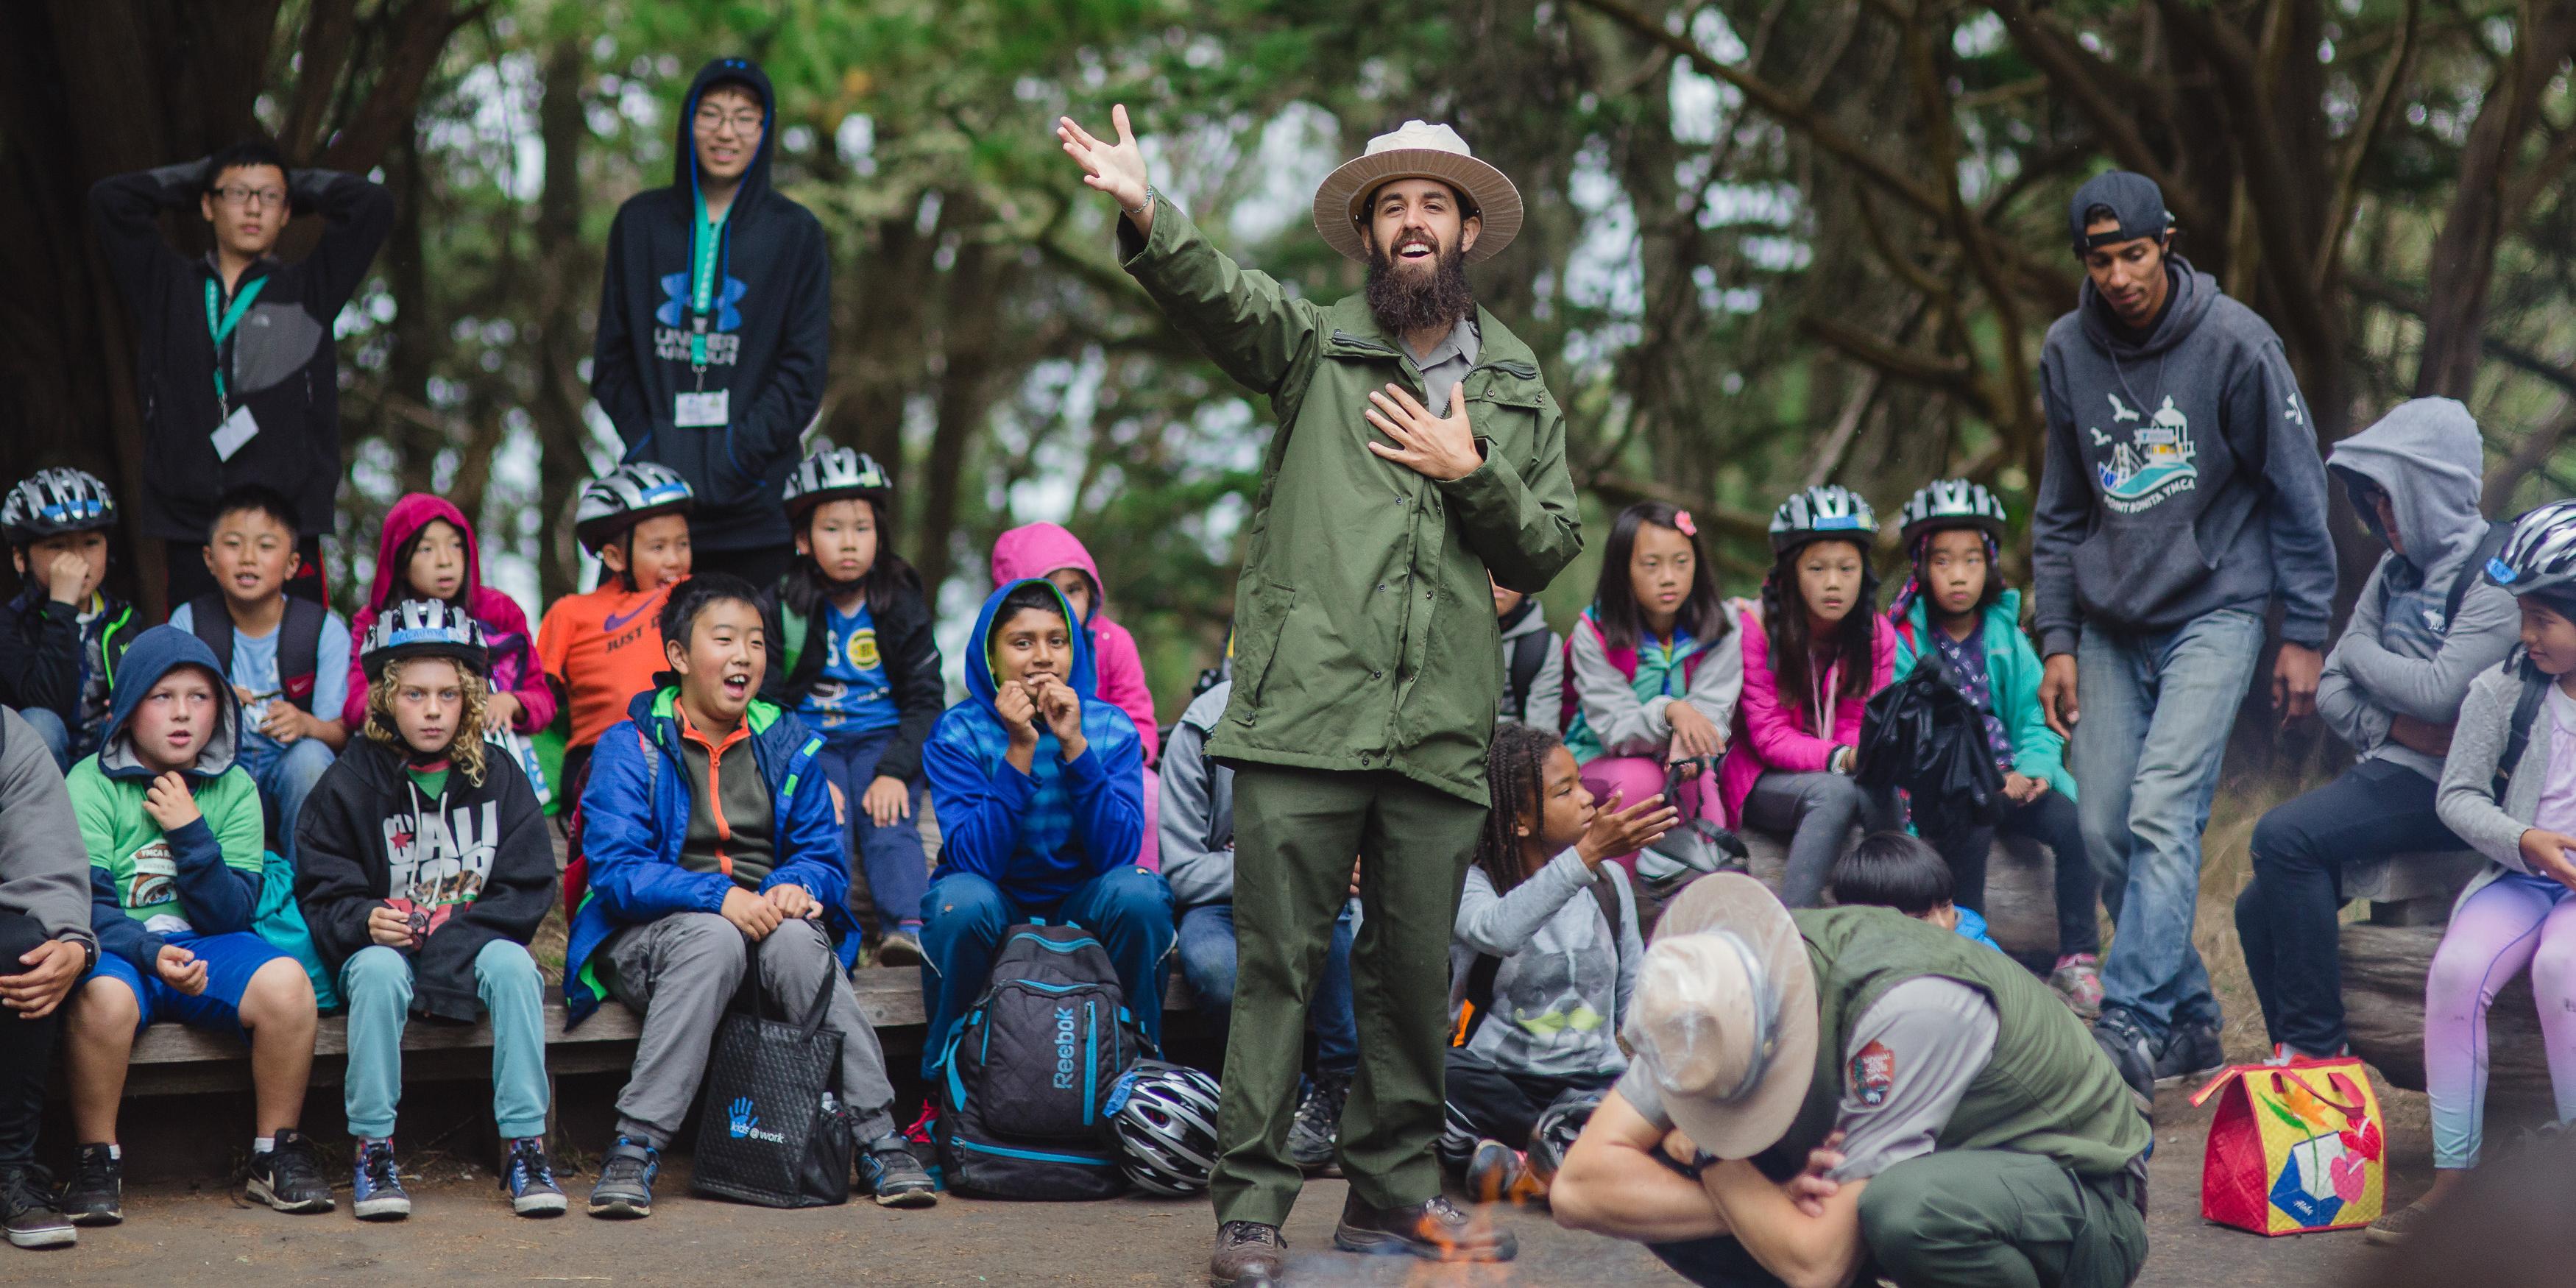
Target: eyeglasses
{"type": "Point", "coordinates": [236, 195]}
{"type": "Point", "coordinates": [714, 120]}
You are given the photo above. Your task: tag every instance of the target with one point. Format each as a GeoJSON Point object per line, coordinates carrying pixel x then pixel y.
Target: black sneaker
{"type": "Point", "coordinates": [1318, 1125]}
{"type": "Point", "coordinates": [95, 1195]}
{"type": "Point", "coordinates": [624, 1190]}
{"type": "Point", "coordinates": [289, 1178]}
{"type": "Point", "coordinates": [2132, 1053]}
{"type": "Point", "coordinates": [2191, 1053]}
{"type": "Point", "coordinates": [890, 1172]}
{"type": "Point", "coordinates": [28, 1209]}
{"type": "Point", "coordinates": [529, 1178]}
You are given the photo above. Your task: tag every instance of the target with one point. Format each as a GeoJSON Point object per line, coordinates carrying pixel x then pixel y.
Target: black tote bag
{"type": "Point", "coordinates": [772, 1129]}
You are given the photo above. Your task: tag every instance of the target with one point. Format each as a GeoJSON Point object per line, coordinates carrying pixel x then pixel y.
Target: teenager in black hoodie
{"type": "Point", "coordinates": [423, 868]}
{"type": "Point", "coordinates": [715, 324]}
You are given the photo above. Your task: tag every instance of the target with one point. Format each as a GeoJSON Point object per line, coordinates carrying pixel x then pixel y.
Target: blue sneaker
{"type": "Point", "coordinates": [378, 1194]}
{"type": "Point", "coordinates": [625, 1187]}
{"type": "Point", "coordinates": [530, 1179]}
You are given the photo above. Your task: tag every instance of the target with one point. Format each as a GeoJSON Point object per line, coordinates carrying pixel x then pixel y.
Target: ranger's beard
{"type": "Point", "coordinates": [1405, 301]}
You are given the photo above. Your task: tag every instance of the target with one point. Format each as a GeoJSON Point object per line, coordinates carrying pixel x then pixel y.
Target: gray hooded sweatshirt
{"type": "Point", "coordinates": [2181, 473]}
{"type": "Point", "coordinates": [1565, 985]}
{"type": "Point", "coordinates": [1196, 826]}
{"type": "Point", "coordinates": [2398, 654]}
{"type": "Point", "coordinates": [1545, 700]}
{"type": "Point", "coordinates": [44, 872]}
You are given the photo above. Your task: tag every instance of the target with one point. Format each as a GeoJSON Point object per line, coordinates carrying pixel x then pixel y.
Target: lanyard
{"type": "Point", "coordinates": [704, 251]}
{"type": "Point", "coordinates": [222, 328]}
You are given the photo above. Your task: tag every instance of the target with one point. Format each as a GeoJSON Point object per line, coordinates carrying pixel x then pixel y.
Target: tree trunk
{"type": "Point", "coordinates": [569, 278]}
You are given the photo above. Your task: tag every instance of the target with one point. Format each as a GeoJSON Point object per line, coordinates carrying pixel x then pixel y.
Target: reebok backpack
{"type": "Point", "coordinates": [1024, 1082]}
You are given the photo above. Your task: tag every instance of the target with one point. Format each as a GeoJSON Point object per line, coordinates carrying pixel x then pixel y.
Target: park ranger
{"type": "Point", "coordinates": [1417, 451]}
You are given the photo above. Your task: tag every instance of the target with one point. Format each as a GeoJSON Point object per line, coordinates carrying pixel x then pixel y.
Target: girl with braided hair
{"type": "Point", "coordinates": [1813, 655]}
{"type": "Point", "coordinates": [1543, 962]}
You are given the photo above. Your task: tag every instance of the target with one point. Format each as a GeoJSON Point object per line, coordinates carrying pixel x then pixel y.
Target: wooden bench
{"type": "Point", "coordinates": [2385, 962]}
{"type": "Point", "coordinates": [172, 1059]}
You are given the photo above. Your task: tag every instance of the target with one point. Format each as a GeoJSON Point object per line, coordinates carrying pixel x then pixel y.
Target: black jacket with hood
{"type": "Point", "coordinates": [769, 336]}
{"type": "Point", "coordinates": [280, 360]}
{"type": "Point", "coordinates": [368, 835]}
{"type": "Point", "coordinates": [909, 652]}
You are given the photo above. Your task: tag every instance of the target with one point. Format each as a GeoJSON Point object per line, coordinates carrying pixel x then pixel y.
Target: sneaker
{"type": "Point", "coordinates": [95, 1195]}
{"type": "Point", "coordinates": [1432, 1229]}
{"type": "Point", "coordinates": [29, 1211]}
{"type": "Point", "coordinates": [890, 1172]}
{"type": "Point", "coordinates": [2132, 1053]}
{"type": "Point", "coordinates": [2191, 1053]}
{"type": "Point", "coordinates": [624, 1190]}
{"type": "Point", "coordinates": [377, 1194]}
{"type": "Point", "coordinates": [1318, 1125]}
{"type": "Point", "coordinates": [1247, 1253]}
{"type": "Point", "coordinates": [2402, 1224]}
{"type": "Point", "coordinates": [900, 948]}
{"type": "Point", "coordinates": [2284, 1055]}
{"type": "Point", "coordinates": [289, 1178]}
{"type": "Point", "coordinates": [529, 1176]}
{"type": "Point", "coordinates": [1498, 1173]}
{"type": "Point", "coordinates": [2078, 982]}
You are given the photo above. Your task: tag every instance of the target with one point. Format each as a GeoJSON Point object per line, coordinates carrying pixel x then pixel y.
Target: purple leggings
{"type": "Point", "coordinates": [2509, 923]}
{"type": "Point", "coordinates": [1637, 777]}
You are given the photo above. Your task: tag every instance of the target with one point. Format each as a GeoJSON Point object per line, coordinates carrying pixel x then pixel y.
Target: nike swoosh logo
{"type": "Point", "coordinates": [614, 623]}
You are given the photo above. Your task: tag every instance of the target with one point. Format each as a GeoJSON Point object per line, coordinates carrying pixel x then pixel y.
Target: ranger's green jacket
{"type": "Point", "coordinates": [1364, 629]}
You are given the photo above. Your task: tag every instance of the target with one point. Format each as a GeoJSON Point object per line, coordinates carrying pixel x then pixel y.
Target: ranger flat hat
{"type": "Point", "coordinates": [1417, 150]}
{"type": "Point", "coordinates": [1725, 1015]}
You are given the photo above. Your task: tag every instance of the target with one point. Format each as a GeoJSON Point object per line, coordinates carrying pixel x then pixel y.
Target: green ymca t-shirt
{"type": "Point", "coordinates": [122, 838]}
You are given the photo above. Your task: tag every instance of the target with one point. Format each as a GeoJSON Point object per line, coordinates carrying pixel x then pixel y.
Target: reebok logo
{"type": "Point", "coordinates": [1064, 1048]}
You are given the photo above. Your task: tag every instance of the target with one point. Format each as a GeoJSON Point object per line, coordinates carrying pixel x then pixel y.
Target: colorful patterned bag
{"type": "Point", "coordinates": [2294, 1150]}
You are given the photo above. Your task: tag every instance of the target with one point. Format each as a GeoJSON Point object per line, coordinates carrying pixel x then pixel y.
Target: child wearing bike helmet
{"type": "Point", "coordinates": [851, 653]}
{"type": "Point", "coordinates": [61, 636]}
{"type": "Point", "coordinates": [1954, 605]}
{"type": "Point", "coordinates": [424, 870]}
{"type": "Point", "coordinates": [600, 649]}
{"type": "Point", "coordinates": [1654, 675]}
{"type": "Point", "coordinates": [1814, 652]}
{"type": "Point", "coordinates": [2509, 790]}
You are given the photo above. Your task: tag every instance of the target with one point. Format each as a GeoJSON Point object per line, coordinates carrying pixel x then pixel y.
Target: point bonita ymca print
{"type": "Point", "coordinates": [2153, 462]}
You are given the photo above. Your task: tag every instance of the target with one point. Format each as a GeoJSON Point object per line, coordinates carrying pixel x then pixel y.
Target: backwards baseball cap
{"type": "Point", "coordinates": [2132, 198]}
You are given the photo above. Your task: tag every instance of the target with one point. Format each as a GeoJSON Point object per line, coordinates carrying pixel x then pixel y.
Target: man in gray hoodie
{"type": "Point", "coordinates": [2425, 626]}
{"type": "Point", "coordinates": [45, 944]}
{"type": "Point", "coordinates": [2181, 493]}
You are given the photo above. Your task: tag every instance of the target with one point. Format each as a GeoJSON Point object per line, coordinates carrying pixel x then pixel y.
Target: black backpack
{"type": "Point", "coordinates": [1023, 1081]}
{"type": "Point", "coordinates": [1529, 653]}
{"type": "Point", "coordinates": [2489, 543]}
{"type": "Point", "coordinates": [299, 644]}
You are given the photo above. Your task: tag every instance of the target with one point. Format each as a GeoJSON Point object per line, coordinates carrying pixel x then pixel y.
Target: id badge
{"type": "Point", "coordinates": [700, 411]}
{"type": "Point", "coordinates": [237, 429]}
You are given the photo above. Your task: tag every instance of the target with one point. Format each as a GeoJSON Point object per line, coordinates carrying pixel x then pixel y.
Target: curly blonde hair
{"type": "Point", "coordinates": [465, 751]}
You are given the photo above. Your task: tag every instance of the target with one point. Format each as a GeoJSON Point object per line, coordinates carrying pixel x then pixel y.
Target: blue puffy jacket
{"type": "Point", "coordinates": [635, 814]}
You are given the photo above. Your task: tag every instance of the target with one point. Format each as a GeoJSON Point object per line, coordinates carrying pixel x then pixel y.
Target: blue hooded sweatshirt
{"type": "Point", "coordinates": [1040, 834]}
{"type": "Point", "coordinates": [635, 815]}
{"type": "Point", "coordinates": [212, 864]}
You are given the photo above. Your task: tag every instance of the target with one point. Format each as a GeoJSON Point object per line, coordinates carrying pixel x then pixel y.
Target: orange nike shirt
{"type": "Point", "coordinates": [602, 649]}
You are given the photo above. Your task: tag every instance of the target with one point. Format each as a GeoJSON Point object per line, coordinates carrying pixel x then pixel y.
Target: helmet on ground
{"type": "Point", "coordinates": [1165, 1119]}
{"type": "Point", "coordinates": [424, 628]}
{"type": "Point", "coordinates": [1552, 1136]}
{"type": "Point", "coordinates": [1951, 503]}
{"type": "Point", "coordinates": [52, 502]}
{"type": "Point", "coordinates": [1817, 513]}
{"type": "Point", "coordinates": [626, 496]}
{"type": "Point", "coordinates": [834, 474]}
{"type": "Point", "coordinates": [2540, 556]}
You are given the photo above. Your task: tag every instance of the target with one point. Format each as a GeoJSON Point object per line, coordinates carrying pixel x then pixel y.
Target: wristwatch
{"type": "Point", "coordinates": [89, 952]}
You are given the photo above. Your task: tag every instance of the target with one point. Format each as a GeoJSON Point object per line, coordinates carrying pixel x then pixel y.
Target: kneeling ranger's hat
{"type": "Point", "coordinates": [1725, 1016]}
{"type": "Point", "coordinates": [1418, 150]}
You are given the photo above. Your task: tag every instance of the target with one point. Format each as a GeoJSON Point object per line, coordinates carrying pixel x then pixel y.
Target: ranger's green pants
{"type": "Point", "coordinates": [1295, 834]}
{"type": "Point", "coordinates": [1968, 1218]}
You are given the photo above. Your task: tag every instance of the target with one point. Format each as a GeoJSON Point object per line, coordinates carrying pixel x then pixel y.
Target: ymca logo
{"type": "Point", "coordinates": [1064, 1048]}
{"type": "Point", "coordinates": [2154, 464]}
{"type": "Point", "coordinates": [742, 1124]}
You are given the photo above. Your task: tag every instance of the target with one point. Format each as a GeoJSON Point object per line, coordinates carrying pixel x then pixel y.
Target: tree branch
{"type": "Point", "coordinates": [2529, 361]}
{"type": "Point", "coordinates": [2367, 131]}
{"type": "Point", "coordinates": [2080, 78]}
{"type": "Point", "coordinates": [1951, 375]}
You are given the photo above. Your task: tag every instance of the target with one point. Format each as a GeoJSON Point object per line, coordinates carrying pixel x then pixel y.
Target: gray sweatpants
{"type": "Point", "coordinates": [683, 971]}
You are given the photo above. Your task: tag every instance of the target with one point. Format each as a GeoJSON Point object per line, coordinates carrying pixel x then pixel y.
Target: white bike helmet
{"type": "Point", "coordinates": [424, 628]}
{"type": "Point", "coordinates": [2541, 554]}
{"type": "Point", "coordinates": [1951, 503]}
{"type": "Point", "coordinates": [626, 496]}
{"type": "Point", "coordinates": [1830, 510]}
{"type": "Point", "coordinates": [1164, 1117]}
{"type": "Point", "coordinates": [52, 502]}
{"type": "Point", "coordinates": [833, 474]}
